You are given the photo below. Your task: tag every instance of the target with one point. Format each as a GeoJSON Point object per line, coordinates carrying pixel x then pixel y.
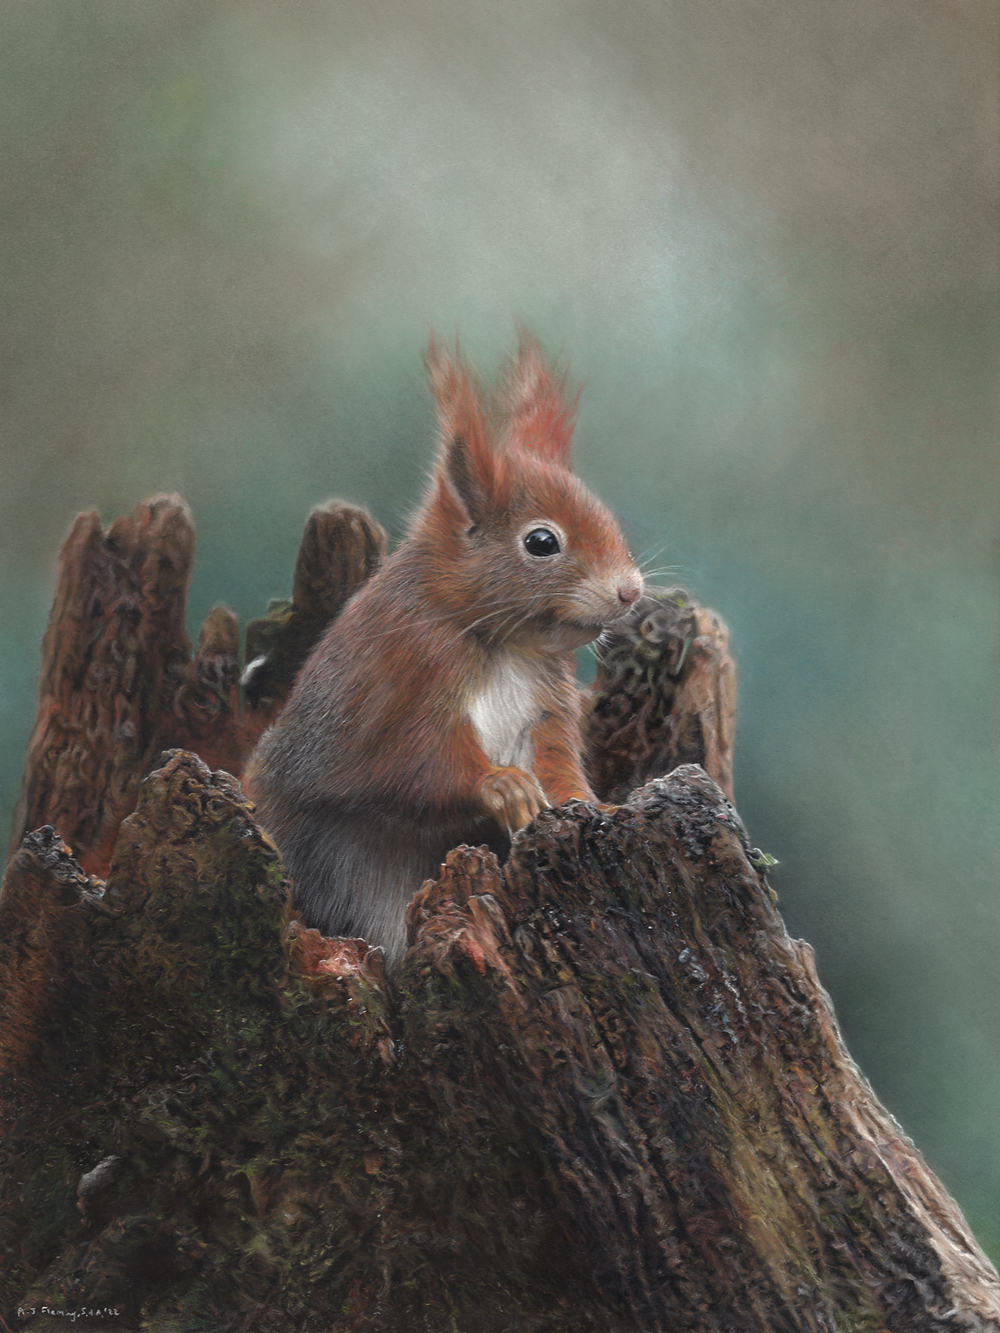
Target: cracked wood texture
{"type": "Point", "coordinates": [604, 1091]}
{"type": "Point", "coordinates": [119, 683]}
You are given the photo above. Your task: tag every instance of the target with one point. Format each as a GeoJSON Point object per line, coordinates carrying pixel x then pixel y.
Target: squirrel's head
{"type": "Point", "coordinates": [515, 537]}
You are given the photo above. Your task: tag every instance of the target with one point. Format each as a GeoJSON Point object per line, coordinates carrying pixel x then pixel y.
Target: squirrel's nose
{"type": "Point", "coordinates": [629, 593]}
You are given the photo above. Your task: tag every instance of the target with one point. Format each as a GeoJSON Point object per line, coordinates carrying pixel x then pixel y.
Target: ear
{"type": "Point", "coordinates": [467, 465]}
{"type": "Point", "coordinates": [539, 415]}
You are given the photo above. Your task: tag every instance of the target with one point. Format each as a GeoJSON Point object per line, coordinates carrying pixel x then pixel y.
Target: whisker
{"type": "Point", "coordinates": [651, 552]}
{"type": "Point", "coordinates": [648, 572]}
{"type": "Point", "coordinates": [432, 621]}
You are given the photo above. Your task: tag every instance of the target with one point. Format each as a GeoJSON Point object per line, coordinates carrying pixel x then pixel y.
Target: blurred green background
{"type": "Point", "coordinates": [763, 235]}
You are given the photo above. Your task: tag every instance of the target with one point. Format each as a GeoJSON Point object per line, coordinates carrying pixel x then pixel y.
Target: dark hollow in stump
{"type": "Point", "coordinates": [604, 1091]}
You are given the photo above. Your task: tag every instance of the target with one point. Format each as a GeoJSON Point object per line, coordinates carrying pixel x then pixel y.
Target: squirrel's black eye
{"type": "Point", "coordinates": [541, 541]}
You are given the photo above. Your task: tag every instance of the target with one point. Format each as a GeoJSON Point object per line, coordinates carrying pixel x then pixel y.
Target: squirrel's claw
{"type": "Point", "coordinates": [512, 796]}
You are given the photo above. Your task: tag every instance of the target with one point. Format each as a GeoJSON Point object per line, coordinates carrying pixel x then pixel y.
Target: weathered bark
{"type": "Point", "coordinates": [119, 683]}
{"type": "Point", "coordinates": [341, 547]}
{"type": "Point", "coordinates": [604, 1091]}
{"type": "Point", "coordinates": [114, 654]}
{"type": "Point", "coordinates": [665, 694]}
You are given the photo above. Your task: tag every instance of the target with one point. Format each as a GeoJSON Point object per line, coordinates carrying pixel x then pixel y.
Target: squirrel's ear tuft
{"type": "Point", "coordinates": [539, 415]}
{"type": "Point", "coordinates": [467, 463]}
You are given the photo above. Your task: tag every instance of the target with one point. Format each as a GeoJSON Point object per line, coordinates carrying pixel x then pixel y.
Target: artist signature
{"type": "Point", "coordinates": [101, 1312]}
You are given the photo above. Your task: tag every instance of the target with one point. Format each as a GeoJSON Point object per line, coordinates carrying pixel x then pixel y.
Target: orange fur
{"type": "Point", "coordinates": [440, 707]}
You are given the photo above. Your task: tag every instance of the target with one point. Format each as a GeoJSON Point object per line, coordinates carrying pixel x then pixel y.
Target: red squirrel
{"type": "Point", "coordinates": [441, 705]}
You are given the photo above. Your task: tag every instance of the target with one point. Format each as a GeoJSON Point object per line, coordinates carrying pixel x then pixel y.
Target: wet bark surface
{"type": "Point", "coordinates": [604, 1090]}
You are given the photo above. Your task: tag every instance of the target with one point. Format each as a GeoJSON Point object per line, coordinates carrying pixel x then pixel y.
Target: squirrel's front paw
{"type": "Point", "coordinates": [512, 796]}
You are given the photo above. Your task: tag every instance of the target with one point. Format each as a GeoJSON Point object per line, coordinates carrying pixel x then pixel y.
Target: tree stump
{"type": "Point", "coordinates": [119, 683]}
{"type": "Point", "coordinates": [604, 1090]}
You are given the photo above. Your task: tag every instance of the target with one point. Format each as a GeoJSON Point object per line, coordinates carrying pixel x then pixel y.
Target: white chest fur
{"type": "Point", "coordinates": [503, 714]}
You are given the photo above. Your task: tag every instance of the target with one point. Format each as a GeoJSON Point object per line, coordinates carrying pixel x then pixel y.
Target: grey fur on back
{"type": "Point", "coordinates": [355, 873]}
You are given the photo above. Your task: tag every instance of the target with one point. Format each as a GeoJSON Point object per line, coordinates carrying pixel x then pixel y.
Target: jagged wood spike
{"type": "Point", "coordinates": [119, 683]}
{"type": "Point", "coordinates": [341, 547]}
{"type": "Point", "coordinates": [114, 655]}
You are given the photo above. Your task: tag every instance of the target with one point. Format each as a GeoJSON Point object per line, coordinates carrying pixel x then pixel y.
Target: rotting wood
{"type": "Point", "coordinates": [605, 1090]}
{"type": "Point", "coordinates": [119, 683]}
{"type": "Point", "coordinates": [664, 694]}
